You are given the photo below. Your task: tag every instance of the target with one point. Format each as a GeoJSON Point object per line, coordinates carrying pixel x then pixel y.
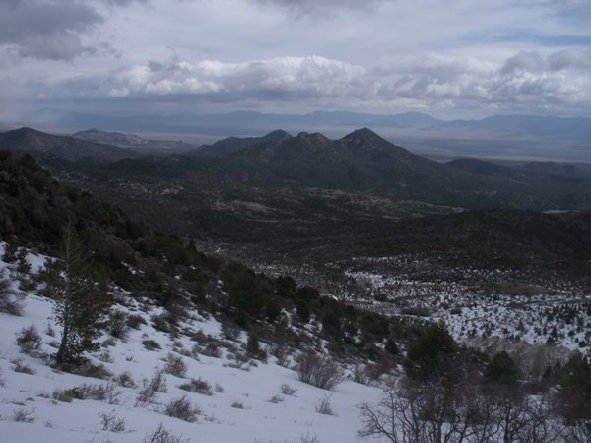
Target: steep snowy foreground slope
{"type": "Point", "coordinates": [248, 400]}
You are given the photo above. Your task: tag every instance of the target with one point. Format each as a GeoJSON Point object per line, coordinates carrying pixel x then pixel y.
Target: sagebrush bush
{"type": "Point", "coordinates": [21, 367]}
{"type": "Point", "coordinates": [230, 331]}
{"type": "Point", "coordinates": [156, 384]}
{"type": "Point", "coordinates": [89, 369]}
{"type": "Point", "coordinates": [288, 390]}
{"type": "Point", "coordinates": [175, 365]}
{"type": "Point", "coordinates": [323, 406]}
{"type": "Point", "coordinates": [197, 385]}
{"type": "Point", "coordinates": [182, 408]}
{"type": "Point", "coordinates": [211, 350]}
{"type": "Point", "coordinates": [125, 380]}
{"type": "Point", "coordinates": [161, 322]}
{"type": "Point", "coordinates": [28, 339]}
{"type": "Point", "coordinates": [163, 435]}
{"type": "Point", "coordinates": [118, 324]}
{"type": "Point", "coordinates": [103, 392]}
{"type": "Point", "coordinates": [8, 301]}
{"type": "Point", "coordinates": [110, 422]}
{"type": "Point", "coordinates": [134, 321]}
{"type": "Point", "coordinates": [318, 371]}
{"type": "Point", "coordinates": [23, 415]}
{"type": "Point", "coordinates": [151, 345]}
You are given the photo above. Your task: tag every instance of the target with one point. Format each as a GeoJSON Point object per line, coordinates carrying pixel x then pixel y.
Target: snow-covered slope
{"type": "Point", "coordinates": [247, 403]}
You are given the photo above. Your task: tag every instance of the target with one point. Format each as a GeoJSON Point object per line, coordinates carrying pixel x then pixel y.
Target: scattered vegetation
{"type": "Point", "coordinates": [150, 387]}
{"type": "Point", "coordinates": [8, 301]}
{"type": "Point", "coordinates": [163, 435]}
{"type": "Point", "coordinates": [182, 408]}
{"type": "Point", "coordinates": [111, 422]}
{"type": "Point", "coordinates": [29, 339]}
{"type": "Point", "coordinates": [175, 365]}
{"type": "Point", "coordinates": [197, 385]}
{"type": "Point", "coordinates": [23, 415]}
{"type": "Point", "coordinates": [318, 370]}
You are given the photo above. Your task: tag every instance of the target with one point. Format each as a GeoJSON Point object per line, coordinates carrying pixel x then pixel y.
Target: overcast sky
{"type": "Point", "coordinates": [450, 58]}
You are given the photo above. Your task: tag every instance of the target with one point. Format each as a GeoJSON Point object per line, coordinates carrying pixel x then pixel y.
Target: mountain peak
{"type": "Point", "coordinates": [363, 133]}
{"type": "Point", "coordinates": [278, 135]}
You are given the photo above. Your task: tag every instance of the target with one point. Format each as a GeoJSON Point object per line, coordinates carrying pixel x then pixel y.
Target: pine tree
{"type": "Point", "coordinates": [80, 301]}
{"type": "Point", "coordinates": [10, 252]}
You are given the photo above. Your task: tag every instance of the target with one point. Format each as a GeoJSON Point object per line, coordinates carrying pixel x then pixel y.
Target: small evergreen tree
{"type": "Point", "coordinates": [502, 368]}
{"type": "Point", "coordinates": [23, 267]}
{"type": "Point", "coordinates": [10, 252]}
{"type": "Point", "coordinates": [81, 303]}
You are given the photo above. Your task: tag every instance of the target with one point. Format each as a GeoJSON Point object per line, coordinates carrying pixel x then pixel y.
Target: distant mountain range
{"type": "Point", "coordinates": [319, 198]}
{"type": "Point", "coordinates": [499, 136]}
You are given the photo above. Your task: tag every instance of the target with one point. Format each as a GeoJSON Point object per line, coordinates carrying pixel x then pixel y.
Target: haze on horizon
{"type": "Point", "coordinates": [451, 59]}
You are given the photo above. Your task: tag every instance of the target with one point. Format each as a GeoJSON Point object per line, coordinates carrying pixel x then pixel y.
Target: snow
{"type": "Point", "coordinates": [291, 419]}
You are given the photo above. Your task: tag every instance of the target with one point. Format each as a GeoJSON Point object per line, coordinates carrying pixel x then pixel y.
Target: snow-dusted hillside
{"type": "Point", "coordinates": [244, 400]}
{"type": "Point", "coordinates": [562, 317]}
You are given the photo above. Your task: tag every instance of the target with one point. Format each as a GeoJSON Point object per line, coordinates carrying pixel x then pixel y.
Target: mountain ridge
{"type": "Point", "coordinates": [28, 140]}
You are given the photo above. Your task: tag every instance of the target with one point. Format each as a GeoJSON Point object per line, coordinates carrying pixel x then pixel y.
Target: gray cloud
{"type": "Point", "coordinates": [322, 7]}
{"type": "Point", "coordinates": [426, 81]}
{"type": "Point", "coordinates": [529, 61]}
{"type": "Point", "coordinates": [302, 75]}
{"type": "Point", "coordinates": [51, 29]}
{"type": "Point", "coordinates": [571, 58]}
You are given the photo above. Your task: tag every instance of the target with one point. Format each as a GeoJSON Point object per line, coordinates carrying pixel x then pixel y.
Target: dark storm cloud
{"type": "Point", "coordinates": [51, 29]}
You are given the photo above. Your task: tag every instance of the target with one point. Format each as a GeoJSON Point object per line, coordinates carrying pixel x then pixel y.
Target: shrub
{"type": "Point", "coordinates": [318, 371]}
{"type": "Point", "coordinates": [288, 390]}
{"type": "Point", "coordinates": [23, 265]}
{"type": "Point", "coordinates": [323, 406]}
{"type": "Point", "coordinates": [66, 395]}
{"type": "Point", "coordinates": [110, 422]}
{"type": "Point", "coordinates": [182, 408]}
{"type": "Point", "coordinates": [211, 350]}
{"type": "Point", "coordinates": [360, 375]}
{"type": "Point", "coordinates": [253, 348]}
{"type": "Point", "coordinates": [8, 303]}
{"type": "Point", "coordinates": [230, 331]}
{"type": "Point", "coordinates": [21, 367]}
{"type": "Point", "coordinates": [23, 415]}
{"type": "Point", "coordinates": [156, 384]}
{"type": "Point", "coordinates": [49, 330]}
{"type": "Point", "coordinates": [125, 380]}
{"type": "Point", "coordinates": [237, 404]}
{"type": "Point", "coordinates": [197, 385]}
{"type": "Point", "coordinates": [105, 356]}
{"type": "Point", "coordinates": [118, 324]}
{"type": "Point", "coordinates": [175, 365]}
{"type": "Point", "coordinates": [276, 399]}
{"type": "Point", "coordinates": [135, 320]}
{"type": "Point", "coordinates": [161, 322]}
{"type": "Point", "coordinates": [162, 435]}
{"type": "Point", "coordinates": [106, 392]}
{"type": "Point", "coordinates": [28, 339]}
{"type": "Point", "coordinates": [151, 345]}
{"type": "Point", "coordinates": [91, 370]}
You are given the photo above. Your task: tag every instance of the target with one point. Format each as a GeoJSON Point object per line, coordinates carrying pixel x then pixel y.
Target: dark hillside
{"type": "Point", "coordinates": [27, 140]}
